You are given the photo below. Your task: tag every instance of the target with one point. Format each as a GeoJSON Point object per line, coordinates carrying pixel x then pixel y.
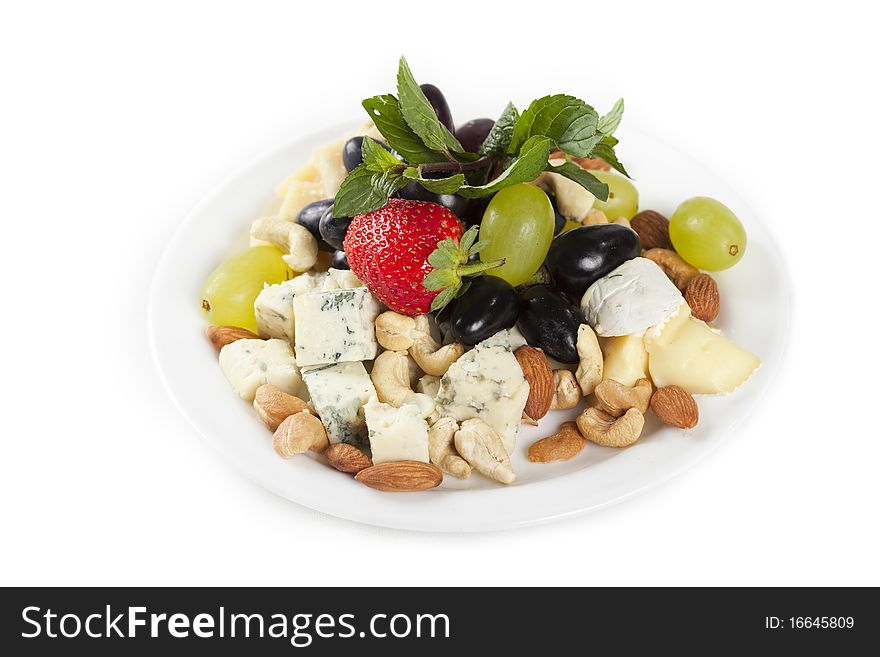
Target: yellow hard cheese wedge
{"type": "Point", "coordinates": [626, 360]}
{"type": "Point", "coordinates": [687, 353]}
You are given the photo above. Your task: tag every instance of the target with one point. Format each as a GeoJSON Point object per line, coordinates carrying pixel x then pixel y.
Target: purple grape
{"type": "Point", "coordinates": [473, 133]}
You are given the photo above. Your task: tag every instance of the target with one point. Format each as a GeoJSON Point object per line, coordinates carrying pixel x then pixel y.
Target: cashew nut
{"type": "Point", "coordinates": [672, 264]}
{"type": "Point", "coordinates": [390, 376]}
{"type": "Point", "coordinates": [616, 399]}
{"type": "Point", "coordinates": [299, 244]}
{"type": "Point", "coordinates": [441, 448]}
{"type": "Point", "coordinates": [428, 354]}
{"type": "Point", "coordinates": [561, 446]}
{"type": "Point", "coordinates": [589, 370]}
{"type": "Point", "coordinates": [595, 217]}
{"type": "Point", "coordinates": [394, 331]}
{"type": "Point", "coordinates": [567, 393]}
{"type": "Point", "coordinates": [482, 447]}
{"type": "Point", "coordinates": [622, 221]}
{"type": "Point", "coordinates": [299, 433]}
{"type": "Point", "coordinates": [604, 429]}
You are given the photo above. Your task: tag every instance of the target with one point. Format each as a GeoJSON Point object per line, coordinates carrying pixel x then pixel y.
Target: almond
{"type": "Point", "coordinates": [537, 371]}
{"type": "Point", "coordinates": [220, 336]}
{"type": "Point", "coordinates": [653, 230]}
{"type": "Point", "coordinates": [401, 476]}
{"type": "Point", "coordinates": [676, 407]}
{"type": "Point", "coordinates": [273, 405]}
{"type": "Point", "coordinates": [347, 458]}
{"type": "Point", "coordinates": [702, 296]}
{"type": "Point", "coordinates": [672, 264]}
{"type": "Point", "coordinates": [561, 446]}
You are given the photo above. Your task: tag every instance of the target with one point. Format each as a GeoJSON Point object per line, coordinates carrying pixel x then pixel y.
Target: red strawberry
{"type": "Point", "coordinates": [389, 248]}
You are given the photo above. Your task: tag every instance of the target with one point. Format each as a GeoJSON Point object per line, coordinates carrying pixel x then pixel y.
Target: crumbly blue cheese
{"type": "Point", "coordinates": [339, 393]}
{"type": "Point", "coordinates": [248, 364]}
{"type": "Point", "coordinates": [396, 434]}
{"type": "Point", "coordinates": [486, 383]}
{"type": "Point", "coordinates": [273, 307]}
{"type": "Point", "coordinates": [335, 326]}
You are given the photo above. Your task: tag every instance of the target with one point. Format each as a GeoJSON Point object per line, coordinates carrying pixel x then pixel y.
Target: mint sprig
{"type": "Point", "coordinates": [517, 146]}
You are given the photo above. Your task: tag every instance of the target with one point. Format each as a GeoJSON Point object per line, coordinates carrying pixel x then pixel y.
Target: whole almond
{"type": "Point", "coordinates": [561, 446]}
{"type": "Point", "coordinates": [676, 407]}
{"type": "Point", "coordinates": [220, 336]}
{"type": "Point", "coordinates": [702, 296]}
{"type": "Point", "coordinates": [273, 405]}
{"type": "Point", "coordinates": [347, 458]}
{"type": "Point", "coordinates": [672, 264]}
{"type": "Point", "coordinates": [653, 230]}
{"type": "Point", "coordinates": [537, 371]}
{"type": "Point", "coordinates": [401, 476]}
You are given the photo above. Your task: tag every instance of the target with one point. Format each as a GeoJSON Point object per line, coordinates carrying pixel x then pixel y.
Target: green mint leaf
{"type": "Point", "coordinates": [532, 160]}
{"type": "Point", "coordinates": [376, 158]}
{"type": "Point", "coordinates": [568, 121]}
{"type": "Point", "coordinates": [586, 180]}
{"type": "Point", "coordinates": [385, 112]}
{"type": "Point", "coordinates": [448, 185]}
{"type": "Point", "coordinates": [363, 191]}
{"type": "Point", "coordinates": [610, 122]}
{"type": "Point", "coordinates": [419, 114]}
{"type": "Point", "coordinates": [605, 151]}
{"type": "Point", "coordinates": [501, 134]}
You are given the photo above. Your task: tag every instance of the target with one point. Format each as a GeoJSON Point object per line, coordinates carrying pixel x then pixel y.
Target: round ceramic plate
{"type": "Point", "coordinates": [755, 315]}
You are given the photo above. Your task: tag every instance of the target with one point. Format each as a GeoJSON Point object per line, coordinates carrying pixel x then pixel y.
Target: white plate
{"type": "Point", "coordinates": [755, 315]}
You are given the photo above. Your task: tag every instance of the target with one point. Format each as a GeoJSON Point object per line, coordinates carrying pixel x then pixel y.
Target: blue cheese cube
{"type": "Point", "coordinates": [486, 383]}
{"type": "Point", "coordinates": [339, 393]}
{"type": "Point", "coordinates": [273, 309]}
{"type": "Point", "coordinates": [335, 326]}
{"type": "Point", "coordinates": [396, 434]}
{"type": "Point", "coordinates": [248, 364]}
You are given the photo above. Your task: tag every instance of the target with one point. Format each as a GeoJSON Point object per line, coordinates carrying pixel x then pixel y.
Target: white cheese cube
{"type": "Point", "coordinates": [630, 299]}
{"type": "Point", "coordinates": [487, 383]}
{"type": "Point", "coordinates": [335, 326]}
{"type": "Point", "coordinates": [273, 308]}
{"type": "Point", "coordinates": [338, 394]}
{"type": "Point", "coordinates": [396, 434]}
{"type": "Point", "coordinates": [248, 364]}
{"type": "Point", "coordinates": [341, 279]}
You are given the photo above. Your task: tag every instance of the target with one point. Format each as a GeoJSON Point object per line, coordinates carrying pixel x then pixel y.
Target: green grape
{"type": "Point", "coordinates": [623, 197]}
{"type": "Point", "coordinates": [707, 234]}
{"type": "Point", "coordinates": [518, 226]}
{"type": "Point", "coordinates": [229, 293]}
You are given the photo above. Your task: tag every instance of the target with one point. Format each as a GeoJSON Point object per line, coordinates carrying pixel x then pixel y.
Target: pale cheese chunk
{"type": "Point", "coordinates": [396, 434]}
{"type": "Point", "coordinates": [630, 299]}
{"type": "Point", "coordinates": [248, 364]}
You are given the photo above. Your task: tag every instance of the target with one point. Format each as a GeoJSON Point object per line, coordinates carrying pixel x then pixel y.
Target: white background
{"type": "Point", "coordinates": [116, 118]}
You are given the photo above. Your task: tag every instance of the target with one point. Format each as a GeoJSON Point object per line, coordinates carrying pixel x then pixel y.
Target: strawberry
{"type": "Point", "coordinates": [412, 255]}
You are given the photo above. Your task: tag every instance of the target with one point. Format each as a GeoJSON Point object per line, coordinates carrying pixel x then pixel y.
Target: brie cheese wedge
{"type": "Point", "coordinates": [630, 299]}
